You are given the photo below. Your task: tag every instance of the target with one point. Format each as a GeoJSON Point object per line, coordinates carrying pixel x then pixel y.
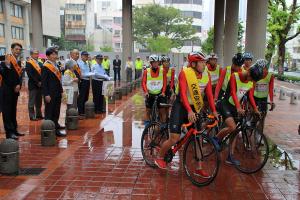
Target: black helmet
{"type": "Point", "coordinates": [257, 69]}
{"type": "Point", "coordinates": [164, 58]}
{"type": "Point", "coordinates": [248, 55]}
{"type": "Point", "coordinates": [238, 59]}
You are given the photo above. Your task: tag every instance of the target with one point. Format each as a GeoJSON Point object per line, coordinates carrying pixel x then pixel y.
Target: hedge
{"type": "Point", "coordinates": [287, 78]}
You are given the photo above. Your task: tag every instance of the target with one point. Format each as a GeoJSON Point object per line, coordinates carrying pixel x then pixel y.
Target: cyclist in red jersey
{"type": "Point", "coordinates": [154, 84]}
{"type": "Point", "coordinates": [241, 83]}
{"type": "Point", "coordinates": [183, 110]}
{"type": "Point", "coordinates": [213, 69]}
{"type": "Point", "coordinates": [248, 57]}
{"type": "Point", "coordinates": [237, 62]}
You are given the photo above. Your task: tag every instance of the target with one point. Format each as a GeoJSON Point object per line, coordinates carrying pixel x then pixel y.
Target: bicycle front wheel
{"type": "Point", "coordinates": [251, 149]}
{"type": "Point", "coordinates": [151, 141]}
{"type": "Point", "coordinates": [201, 160]}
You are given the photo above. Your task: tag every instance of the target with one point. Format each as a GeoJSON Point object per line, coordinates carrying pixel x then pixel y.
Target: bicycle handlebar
{"type": "Point", "coordinates": [208, 125]}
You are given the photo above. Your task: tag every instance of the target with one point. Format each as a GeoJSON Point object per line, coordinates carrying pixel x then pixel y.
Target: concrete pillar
{"type": "Point", "coordinates": [257, 11]}
{"type": "Point", "coordinates": [231, 30]}
{"type": "Point", "coordinates": [219, 29]}
{"type": "Point", "coordinates": [127, 46]}
{"type": "Point", "coordinates": [37, 28]}
{"type": "Point", "coordinates": [8, 36]}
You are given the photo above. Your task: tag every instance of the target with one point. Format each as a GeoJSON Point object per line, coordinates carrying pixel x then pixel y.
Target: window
{"type": "Point", "coordinates": [2, 50]}
{"type": "Point", "coordinates": [75, 31]}
{"type": "Point", "coordinates": [118, 20]}
{"type": "Point", "coordinates": [16, 10]}
{"type": "Point", "coordinates": [192, 14]}
{"type": "Point", "coordinates": [117, 45]}
{"type": "Point", "coordinates": [1, 6]}
{"type": "Point", "coordinates": [17, 33]}
{"type": "Point", "coordinates": [74, 18]}
{"type": "Point", "coordinates": [73, 6]}
{"type": "Point", "coordinates": [117, 33]}
{"type": "Point", "coordinates": [198, 2]}
{"type": "Point", "coordinates": [2, 32]}
{"type": "Point", "coordinates": [198, 28]}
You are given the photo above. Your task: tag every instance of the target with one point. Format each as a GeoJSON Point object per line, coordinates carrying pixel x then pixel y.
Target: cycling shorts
{"type": "Point", "coordinates": [262, 104]}
{"type": "Point", "coordinates": [179, 116]}
{"type": "Point", "coordinates": [150, 100]}
{"type": "Point", "coordinates": [227, 109]}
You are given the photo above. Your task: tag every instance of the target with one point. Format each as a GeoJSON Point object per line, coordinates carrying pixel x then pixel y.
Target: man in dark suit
{"type": "Point", "coordinates": [52, 89]}
{"type": "Point", "coordinates": [11, 72]}
{"type": "Point", "coordinates": [117, 68]}
{"type": "Point", "coordinates": [34, 71]}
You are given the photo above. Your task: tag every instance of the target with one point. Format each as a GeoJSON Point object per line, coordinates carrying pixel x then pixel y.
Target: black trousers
{"type": "Point", "coordinates": [117, 74]}
{"type": "Point", "coordinates": [52, 109]}
{"type": "Point", "coordinates": [9, 110]}
{"type": "Point", "coordinates": [98, 98]}
{"type": "Point", "coordinates": [84, 88]}
{"type": "Point", "coordinates": [35, 103]}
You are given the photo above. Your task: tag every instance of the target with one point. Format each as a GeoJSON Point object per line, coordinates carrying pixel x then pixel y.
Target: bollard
{"type": "Point", "coordinates": [111, 99]}
{"type": "Point", "coordinates": [48, 137]}
{"type": "Point", "coordinates": [282, 94]}
{"type": "Point", "coordinates": [9, 157]}
{"type": "Point", "coordinates": [118, 94]}
{"type": "Point", "coordinates": [124, 90]}
{"type": "Point", "coordinates": [72, 119]}
{"type": "Point", "coordinates": [89, 109]}
{"type": "Point", "coordinates": [129, 89]}
{"type": "Point", "coordinates": [293, 98]}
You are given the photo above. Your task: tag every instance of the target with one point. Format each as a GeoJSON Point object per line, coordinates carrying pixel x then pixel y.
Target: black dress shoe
{"type": "Point", "coordinates": [33, 119]}
{"type": "Point", "coordinates": [12, 136]}
{"type": "Point", "coordinates": [60, 127]}
{"type": "Point", "coordinates": [60, 134]}
{"type": "Point", "coordinates": [19, 134]}
{"type": "Point", "coordinates": [40, 117]}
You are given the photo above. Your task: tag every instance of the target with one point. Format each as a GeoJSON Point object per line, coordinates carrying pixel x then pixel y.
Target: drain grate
{"type": "Point", "coordinates": [31, 171]}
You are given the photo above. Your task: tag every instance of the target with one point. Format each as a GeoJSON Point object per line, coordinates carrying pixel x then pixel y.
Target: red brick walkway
{"type": "Point", "coordinates": [107, 163]}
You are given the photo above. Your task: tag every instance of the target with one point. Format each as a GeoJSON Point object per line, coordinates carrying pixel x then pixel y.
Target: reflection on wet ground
{"type": "Point", "coordinates": [102, 160]}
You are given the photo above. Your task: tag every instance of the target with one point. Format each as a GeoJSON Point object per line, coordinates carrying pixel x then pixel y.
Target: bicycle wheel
{"type": "Point", "coordinates": [251, 149]}
{"type": "Point", "coordinates": [199, 151]}
{"type": "Point", "coordinates": [151, 141]}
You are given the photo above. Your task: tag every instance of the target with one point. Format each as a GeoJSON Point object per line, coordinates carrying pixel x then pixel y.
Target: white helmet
{"type": "Point", "coordinates": [153, 58]}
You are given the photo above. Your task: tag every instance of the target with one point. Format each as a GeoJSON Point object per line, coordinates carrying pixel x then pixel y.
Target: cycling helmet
{"type": "Point", "coordinates": [257, 69]}
{"type": "Point", "coordinates": [196, 56]}
{"type": "Point", "coordinates": [164, 58]}
{"type": "Point", "coordinates": [153, 58]}
{"type": "Point", "coordinates": [212, 55]}
{"type": "Point", "coordinates": [248, 55]}
{"type": "Point", "coordinates": [238, 59]}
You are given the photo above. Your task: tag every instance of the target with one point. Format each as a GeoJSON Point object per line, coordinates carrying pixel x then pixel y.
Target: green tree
{"type": "Point", "coordinates": [208, 44]}
{"type": "Point", "coordinates": [106, 49]}
{"type": "Point", "coordinates": [241, 32]}
{"type": "Point", "coordinates": [161, 44]}
{"type": "Point", "coordinates": [66, 44]}
{"type": "Point", "coordinates": [154, 20]}
{"type": "Point", "coordinates": [282, 19]}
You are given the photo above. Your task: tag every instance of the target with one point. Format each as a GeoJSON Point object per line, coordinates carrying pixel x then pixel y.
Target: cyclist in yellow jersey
{"type": "Point", "coordinates": [213, 69]}
{"type": "Point", "coordinates": [237, 62]}
{"type": "Point", "coordinates": [248, 57]}
{"type": "Point", "coordinates": [240, 84]}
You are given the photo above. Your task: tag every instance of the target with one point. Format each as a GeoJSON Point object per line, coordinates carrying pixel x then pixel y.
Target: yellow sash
{"type": "Point", "coordinates": [194, 88]}
{"type": "Point", "coordinates": [35, 66]}
{"type": "Point", "coordinates": [14, 63]}
{"type": "Point", "coordinates": [54, 70]}
{"type": "Point", "coordinates": [77, 69]}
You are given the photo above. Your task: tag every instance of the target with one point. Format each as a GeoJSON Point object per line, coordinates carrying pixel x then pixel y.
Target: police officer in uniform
{"type": "Point", "coordinates": [34, 71]}
{"type": "Point", "coordinates": [52, 88]}
{"type": "Point", "coordinates": [11, 72]}
{"type": "Point", "coordinates": [84, 86]}
{"type": "Point", "coordinates": [97, 83]}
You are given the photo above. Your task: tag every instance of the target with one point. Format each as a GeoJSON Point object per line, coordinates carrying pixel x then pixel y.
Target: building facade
{"type": "Point", "coordinates": [14, 24]}
{"type": "Point", "coordinates": [19, 20]}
